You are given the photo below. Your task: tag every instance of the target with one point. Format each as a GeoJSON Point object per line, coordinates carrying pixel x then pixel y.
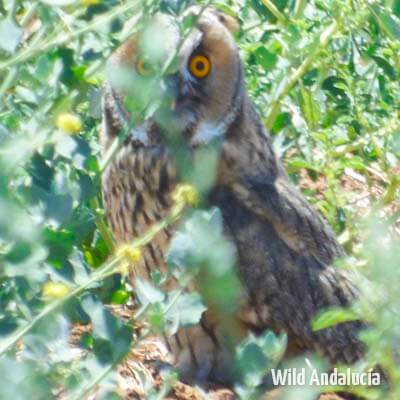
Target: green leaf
{"type": "Point", "coordinates": [156, 318]}
{"type": "Point", "coordinates": [332, 317]}
{"type": "Point", "coordinates": [59, 207]}
{"type": "Point", "coordinates": [396, 7]}
{"type": "Point", "coordinates": [147, 293]}
{"type": "Point", "coordinates": [253, 363]}
{"type": "Point", "coordinates": [387, 68]}
{"type": "Point", "coordinates": [18, 252]}
{"type": "Point", "coordinates": [265, 58]}
{"type": "Point", "coordinates": [10, 34]}
{"type": "Point", "coordinates": [388, 22]}
{"type": "Point", "coordinates": [188, 22]}
{"type": "Point", "coordinates": [105, 325]}
{"type": "Point", "coordinates": [294, 164]}
{"type": "Point", "coordinates": [257, 355]}
{"type": "Point", "coordinates": [26, 94]}
{"type": "Point", "coordinates": [186, 310]}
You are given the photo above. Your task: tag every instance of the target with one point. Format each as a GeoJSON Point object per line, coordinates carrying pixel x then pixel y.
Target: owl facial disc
{"type": "Point", "coordinates": [200, 94]}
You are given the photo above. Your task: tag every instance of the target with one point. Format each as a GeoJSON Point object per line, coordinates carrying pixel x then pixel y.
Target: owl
{"type": "Point", "coordinates": [285, 250]}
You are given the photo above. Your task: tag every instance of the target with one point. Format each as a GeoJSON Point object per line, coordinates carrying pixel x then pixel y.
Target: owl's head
{"type": "Point", "coordinates": [197, 97]}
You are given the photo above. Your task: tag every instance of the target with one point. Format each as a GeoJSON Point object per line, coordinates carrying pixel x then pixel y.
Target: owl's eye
{"type": "Point", "coordinates": [199, 66]}
{"type": "Point", "coordinates": [144, 68]}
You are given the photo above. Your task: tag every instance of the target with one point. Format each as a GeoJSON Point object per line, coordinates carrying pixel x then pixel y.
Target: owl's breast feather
{"type": "Point", "coordinates": [137, 188]}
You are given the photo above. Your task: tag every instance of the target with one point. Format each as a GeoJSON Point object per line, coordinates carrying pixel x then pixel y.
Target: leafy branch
{"type": "Point", "coordinates": [100, 274]}
{"type": "Point", "coordinates": [322, 39]}
{"type": "Point", "coordinates": [91, 385]}
{"type": "Point", "coordinates": [68, 36]}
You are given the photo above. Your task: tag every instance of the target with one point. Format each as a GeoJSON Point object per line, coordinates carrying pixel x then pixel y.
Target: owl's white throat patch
{"type": "Point", "coordinates": [207, 131]}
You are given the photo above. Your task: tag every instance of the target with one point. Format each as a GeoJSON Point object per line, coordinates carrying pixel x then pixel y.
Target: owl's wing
{"type": "Point", "coordinates": [281, 204]}
{"type": "Point", "coordinates": [285, 252]}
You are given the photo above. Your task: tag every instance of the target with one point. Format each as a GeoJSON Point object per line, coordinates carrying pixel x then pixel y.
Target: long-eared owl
{"type": "Point", "coordinates": [285, 249]}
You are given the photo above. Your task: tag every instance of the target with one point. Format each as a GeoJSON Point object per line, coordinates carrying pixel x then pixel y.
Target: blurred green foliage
{"type": "Point", "coordinates": [324, 75]}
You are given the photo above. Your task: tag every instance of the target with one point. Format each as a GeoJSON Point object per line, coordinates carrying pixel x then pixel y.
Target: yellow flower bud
{"type": "Point", "coordinates": [186, 194]}
{"type": "Point", "coordinates": [95, 79]}
{"type": "Point", "coordinates": [129, 253]}
{"type": "Point", "coordinates": [69, 123]}
{"type": "Point", "coordinates": [54, 290]}
{"type": "Point", "coordinates": [88, 3]}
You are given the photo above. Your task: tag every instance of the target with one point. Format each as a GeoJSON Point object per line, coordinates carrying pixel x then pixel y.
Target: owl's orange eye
{"type": "Point", "coordinates": [144, 68]}
{"type": "Point", "coordinates": [199, 66]}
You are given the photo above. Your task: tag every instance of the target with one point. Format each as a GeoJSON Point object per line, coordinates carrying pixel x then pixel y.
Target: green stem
{"type": "Point", "coordinates": [299, 8]}
{"type": "Point", "coordinates": [87, 389]}
{"type": "Point", "coordinates": [323, 39]}
{"type": "Point", "coordinates": [9, 78]}
{"type": "Point", "coordinates": [391, 126]}
{"type": "Point", "coordinates": [391, 191]}
{"type": "Point", "coordinates": [344, 149]}
{"type": "Point", "coordinates": [12, 73]}
{"type": "Point", "coordinates": [12, 9]}
{"type": "Point", "coordinates": [106, 270]}
{"type": "Point", "coordinates": [101, 225]}
{"type": "Point", "coordinates": [29, 14]}
{"type": "Point", "coordinates": [98, 275]}
{"type": "Point", "coordinates": [275, 11]}
{"type": "Point", "coordinates": [114, 147]}
{"type": "Point", "coordinates": [66, 37]}
{"type": "Point", "coordinates": [380, 19]}
{"type": "Point", "coordinates": [173, 300]}
{"type": "Point", "coordinates": [394, 218]}
{"type": "Point", "coordinates": [266, 27]}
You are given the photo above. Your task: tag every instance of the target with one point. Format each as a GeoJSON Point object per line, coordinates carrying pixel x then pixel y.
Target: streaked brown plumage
{"type": "Point", "coordinates": [285, 249]}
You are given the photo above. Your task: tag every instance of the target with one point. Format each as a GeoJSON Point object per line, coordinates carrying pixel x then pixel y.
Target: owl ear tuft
{"type": "Point", "coordinates": [231, 23]}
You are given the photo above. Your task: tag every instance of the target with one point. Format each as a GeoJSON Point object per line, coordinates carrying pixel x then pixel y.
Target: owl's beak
{"type": "Point", "coordinates": [178, 92]}
{"type": "Point", "coordinates": [173, 88]}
